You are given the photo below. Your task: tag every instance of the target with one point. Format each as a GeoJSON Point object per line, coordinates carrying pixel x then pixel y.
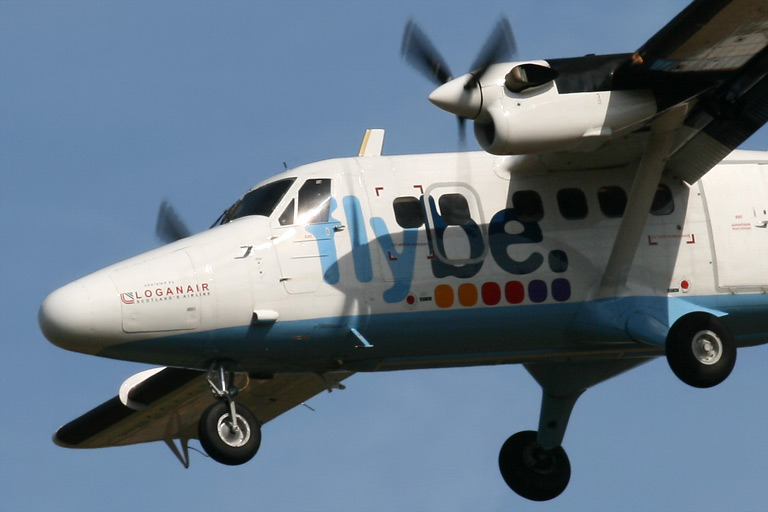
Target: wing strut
{"type": "Point", "coordinates": [182, 455]}
{"type": "Point", "coordinates": [640, 200]}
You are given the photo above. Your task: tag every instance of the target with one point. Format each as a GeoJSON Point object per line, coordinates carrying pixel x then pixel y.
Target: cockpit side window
{"type": "Point", "coordinates": [286, 219]}
{"type": "Point", "coordinates": [314, 201]}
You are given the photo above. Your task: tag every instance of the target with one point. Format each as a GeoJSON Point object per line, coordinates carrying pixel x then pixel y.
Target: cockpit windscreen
{"type": "Point", "coordinates": [259, 201]}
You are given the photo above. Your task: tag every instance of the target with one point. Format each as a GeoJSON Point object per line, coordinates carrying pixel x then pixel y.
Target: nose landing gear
{"type": "Point", "coordinates": [228, 431]}
{"type": "Point", "coordinates": [534, 464]}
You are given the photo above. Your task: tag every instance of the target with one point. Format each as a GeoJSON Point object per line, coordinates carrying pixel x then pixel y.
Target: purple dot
{"type": "Point", "coordinates": [537, 290]}
{"type": "Point", "coordinates": [561, 289]}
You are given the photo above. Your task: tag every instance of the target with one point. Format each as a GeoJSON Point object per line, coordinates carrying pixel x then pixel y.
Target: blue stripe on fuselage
{"type": "Point", "coordinates": [465, 335]}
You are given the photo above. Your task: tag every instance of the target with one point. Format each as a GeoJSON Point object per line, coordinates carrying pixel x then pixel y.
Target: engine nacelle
{"type": "Point", "coordinates": [543, 120]}
{"type": "Point", "coordinates": [518, 109]}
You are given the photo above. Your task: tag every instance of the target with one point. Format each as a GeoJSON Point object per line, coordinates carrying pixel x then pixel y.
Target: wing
{"type": "Point", "coordinates": [712, 61]}
{"type": "Point", "coordinates": [167, 405]}
{"type": "Point", "coordinates": [709, 35]}
{"type": "Point", "coordinates": [721, 45]}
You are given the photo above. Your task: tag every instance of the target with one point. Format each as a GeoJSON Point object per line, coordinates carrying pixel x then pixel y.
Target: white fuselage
{"type": "Point", "coordinates": [432, 260]}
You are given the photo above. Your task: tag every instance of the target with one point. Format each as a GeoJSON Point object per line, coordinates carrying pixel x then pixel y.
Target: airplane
{"type": "Point", "coordinates": [608, 220]}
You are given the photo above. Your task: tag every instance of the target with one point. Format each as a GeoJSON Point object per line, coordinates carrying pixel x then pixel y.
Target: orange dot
{"type": "Point", "coordinates": [467, 294]}
{"type": "Point", "coordinates": [444, 296]}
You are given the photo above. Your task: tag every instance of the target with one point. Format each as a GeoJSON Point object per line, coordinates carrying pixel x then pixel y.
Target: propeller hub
{"type": "Point", "coordinates": [461, 96]}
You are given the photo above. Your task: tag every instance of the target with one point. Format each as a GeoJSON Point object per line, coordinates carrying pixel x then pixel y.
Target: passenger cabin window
{"type": "Point", "coordinates": [259, 201]}
{"type": "Point", "coordinates": [663, 204]}
{"type": "Point", "coordinates": [408, 212]}
{"type": "Point", "coordinates": [454, 209]}
{"type": "Point", "coordinates": [528, 205]}
{"type": "Point", "coordinates": [613, 201]}
{"type": "Point", "coordinates": [572, 203]}
{"type": "Point", "coordinates": [315, 201]}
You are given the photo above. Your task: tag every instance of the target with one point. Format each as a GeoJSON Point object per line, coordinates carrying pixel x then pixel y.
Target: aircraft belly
{"type": "Point", "coordinates": [438, 338]}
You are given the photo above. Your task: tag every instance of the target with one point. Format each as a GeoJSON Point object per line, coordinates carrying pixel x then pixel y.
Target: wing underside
{"type": "Point", "coordinates": [168, 405]}
{"type": "Point", "coordinates": [711, 61]}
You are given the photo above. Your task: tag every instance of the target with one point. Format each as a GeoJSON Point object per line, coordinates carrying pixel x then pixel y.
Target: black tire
{"type": "Point", "coordinates": [530, 470]}
{"type": "Point", "coordinates": [701, 350]}
{"type": "Point", "coordinates": [218, 439]}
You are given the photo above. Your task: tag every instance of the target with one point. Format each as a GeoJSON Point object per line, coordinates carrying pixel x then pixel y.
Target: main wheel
{"type": "Point", "coordinates": [530, 470]}
{"type": "Point", "coordinates": [700, 350]}
{"type": "Point", "coordinates": [225, 444]}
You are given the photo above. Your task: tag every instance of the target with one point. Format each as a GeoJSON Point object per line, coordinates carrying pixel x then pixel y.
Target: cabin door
{"type": "Point", "coordinates": [737, 203]}
{"type": "Point", "coordinates": [304, 238]}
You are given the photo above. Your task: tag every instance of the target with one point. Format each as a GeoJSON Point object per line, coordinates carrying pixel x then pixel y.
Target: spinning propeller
{"type": "Point", "coordinates": [460, 97]}
{"type": "Point", "coordinates": [170, 227]}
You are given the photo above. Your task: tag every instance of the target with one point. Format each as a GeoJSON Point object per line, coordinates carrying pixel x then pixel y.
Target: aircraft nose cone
{"type": "Point", "coordinates": [66, 315]}
{"type": "Point", "coordinates": [454, 98]}
{"type": "Point", "coordinates": [83, 316]}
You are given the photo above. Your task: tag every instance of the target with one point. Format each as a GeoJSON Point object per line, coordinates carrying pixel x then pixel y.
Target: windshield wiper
{"type": "Point", "coordinates": [226, 215]}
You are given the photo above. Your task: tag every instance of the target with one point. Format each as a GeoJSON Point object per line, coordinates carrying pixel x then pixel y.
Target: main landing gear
{"type": "Point", "coordinates": [228, 431]}
{"type": "Point", "coordinates": [700, 350]}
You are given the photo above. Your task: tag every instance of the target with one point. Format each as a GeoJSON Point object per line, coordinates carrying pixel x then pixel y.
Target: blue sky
{"type": "Point", "coordinates": [106, 108]}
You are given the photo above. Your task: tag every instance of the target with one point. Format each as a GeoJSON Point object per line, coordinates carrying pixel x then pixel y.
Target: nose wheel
{"type": "Point", "coordinates": [226, 441]}
{"type": "Point", "coordinates": [228, 431]}
{"type": "Point", "coordinates": [530, 470]}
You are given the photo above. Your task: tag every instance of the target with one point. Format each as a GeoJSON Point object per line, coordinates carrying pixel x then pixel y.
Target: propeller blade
{"type": "Point", "coordinates": [420, 53]}
{"type": "Point", "coordinates": [462, 129]}
{"type": "Point", "coordinates": [499, 47]}
{"type": "Point", "coordinates": [169, 226]}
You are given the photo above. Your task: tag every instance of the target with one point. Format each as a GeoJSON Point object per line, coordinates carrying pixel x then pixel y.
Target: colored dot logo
{"type": "Point", "coordinates": [491, 293]}
{"type": "Point", "coordinates": [467, 295]}
{"type": "Point", "coordinates": [515, 292]}
{"type": "Point", "coordinates": [444, 296]}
